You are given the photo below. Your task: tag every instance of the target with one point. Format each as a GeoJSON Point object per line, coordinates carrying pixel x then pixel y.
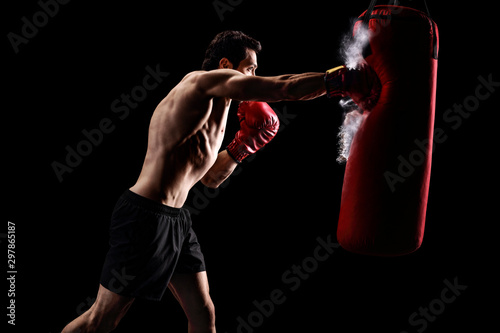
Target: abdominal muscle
{"type": "Point", "coordinates": [167, 176]}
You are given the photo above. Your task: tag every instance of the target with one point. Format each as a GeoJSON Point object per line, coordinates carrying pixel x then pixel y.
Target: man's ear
{"type": "Point", "coordinates": [225, 63]}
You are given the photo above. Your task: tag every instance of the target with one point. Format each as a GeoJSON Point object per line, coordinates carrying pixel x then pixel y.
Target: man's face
{"type": "Point", "coordinates": [248, 66]}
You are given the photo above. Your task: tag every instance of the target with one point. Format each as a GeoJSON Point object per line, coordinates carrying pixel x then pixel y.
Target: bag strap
{"type": "Point", "coordinates": [368, 13]}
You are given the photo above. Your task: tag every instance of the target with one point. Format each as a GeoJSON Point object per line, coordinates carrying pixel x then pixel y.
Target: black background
{"type": "Point", "coordinates": [268, 217]}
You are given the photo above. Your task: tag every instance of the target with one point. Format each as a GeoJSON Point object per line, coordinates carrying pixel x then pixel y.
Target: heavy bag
{"type": "Point", "coordinates": [386, 182]}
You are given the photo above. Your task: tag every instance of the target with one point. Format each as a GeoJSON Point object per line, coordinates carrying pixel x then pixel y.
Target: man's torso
{"type": "Point", "coordinates": [185, 135]}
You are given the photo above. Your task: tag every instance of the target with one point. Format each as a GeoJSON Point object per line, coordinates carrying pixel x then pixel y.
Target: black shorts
{"type": "Point", "coordinates": [149, 242]}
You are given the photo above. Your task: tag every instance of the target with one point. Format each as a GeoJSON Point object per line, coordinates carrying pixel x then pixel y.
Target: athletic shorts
{"type": "Point", "coordinates": [149, 242]}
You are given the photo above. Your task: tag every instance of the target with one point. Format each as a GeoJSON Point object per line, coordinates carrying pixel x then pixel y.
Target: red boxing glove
{"type": "Point", "coordinates": [258, 125]}
{"type": "Point", "coordinates": [362, 85]}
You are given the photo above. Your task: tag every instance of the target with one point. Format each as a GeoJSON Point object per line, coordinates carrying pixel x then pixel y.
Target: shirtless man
{"type": "Point", "coordinates": [152, 244]}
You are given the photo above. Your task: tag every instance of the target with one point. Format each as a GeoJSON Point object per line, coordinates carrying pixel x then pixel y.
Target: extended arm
{"type": "Point", "coordinates": [362, 86]}
{"type": "Point", "coordinates": [235, 85]}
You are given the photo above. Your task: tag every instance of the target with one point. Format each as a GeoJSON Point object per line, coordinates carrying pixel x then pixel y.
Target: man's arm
{"type": "Point", "coordinates": [235, 85]}
{"type": "Point", "coordinates": [361, 85]}
{"type": "Point", "coordinates": [220, 171]}
{"type": "Point", "coordinates": [259, 124]}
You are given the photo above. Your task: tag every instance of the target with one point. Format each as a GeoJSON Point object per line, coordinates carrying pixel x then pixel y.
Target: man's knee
{"type": "Point", "coordinates": [91, 322]}
{"type": "Point", "coordinates": [99, 323]}
{"type": "Point", "coordinates": [211, 314]}
{"type": "Point", "coordinates": [204, 317]}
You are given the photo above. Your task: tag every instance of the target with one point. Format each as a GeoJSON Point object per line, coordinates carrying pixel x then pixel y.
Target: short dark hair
{"type": "Point", "coordinates": [229, 44]}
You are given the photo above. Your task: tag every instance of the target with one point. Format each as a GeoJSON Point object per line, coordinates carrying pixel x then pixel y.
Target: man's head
{"type": "Point", "coordinates": [232, 50]}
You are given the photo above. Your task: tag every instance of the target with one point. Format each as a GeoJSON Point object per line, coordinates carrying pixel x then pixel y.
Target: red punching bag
{"type": "Point", "coordinates": [386, 182]}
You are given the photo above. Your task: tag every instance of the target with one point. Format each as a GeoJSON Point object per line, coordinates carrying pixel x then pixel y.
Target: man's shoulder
{"type": "Point", "coordinates": [210, 78]}
{"type": "Point", "coordinates": [193, 74]}
{"type": "Point", "coordinates": [204, 82]}
{"type": "Point", "coordinates": [198, 72]}
{"type": "Point", "coordinates": [214, 73]}
{"type": "Point", "coordinates": [191, 78]}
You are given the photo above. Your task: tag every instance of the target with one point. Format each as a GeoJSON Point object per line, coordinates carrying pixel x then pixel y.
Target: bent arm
{"type": "Point", "coordinates": [220, 171]}
{"type": "Point", "coordinates": [235, 85]}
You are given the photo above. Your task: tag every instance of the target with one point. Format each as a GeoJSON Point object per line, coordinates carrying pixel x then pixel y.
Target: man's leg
{"type": "Point", "coordinates": [103, 316]}
{"type": "Point", "coordinates": [192, 292]}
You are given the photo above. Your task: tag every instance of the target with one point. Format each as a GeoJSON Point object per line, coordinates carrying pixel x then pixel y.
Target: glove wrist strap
{"type": "Point", "coordinates": [233, 152]}
{"type": "Point", "coordinates": [333, 81]}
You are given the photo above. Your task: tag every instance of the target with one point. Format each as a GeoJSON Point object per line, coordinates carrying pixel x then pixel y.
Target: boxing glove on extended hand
{"type": "Point", "coordinates": [361, 85]}
{"type": "Point", "coordinates": [258, 125]}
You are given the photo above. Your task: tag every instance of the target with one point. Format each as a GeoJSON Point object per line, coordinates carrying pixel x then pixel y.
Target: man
{"type": "Point", "coordinates": [152, 244]}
